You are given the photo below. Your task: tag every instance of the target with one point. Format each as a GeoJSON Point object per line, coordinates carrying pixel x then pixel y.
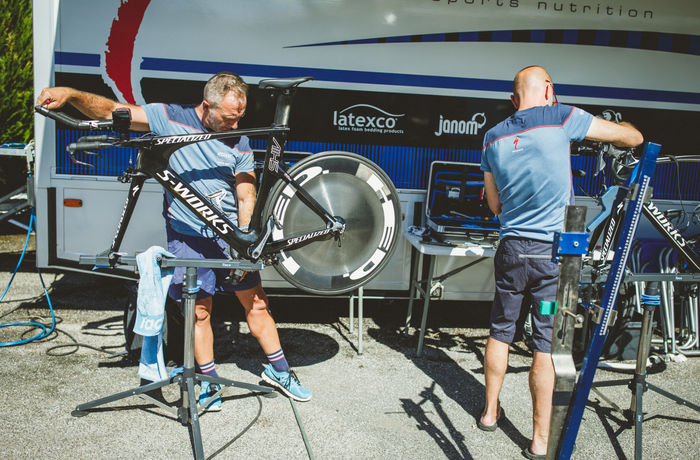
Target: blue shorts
{"type": "Point", "coordinates": [521, 283]}
{"type": "Point", "coordinates": [211, 279]}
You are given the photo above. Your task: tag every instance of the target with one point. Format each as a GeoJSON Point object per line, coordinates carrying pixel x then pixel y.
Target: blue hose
{"type": "Point", "coordinates": [45, 331]}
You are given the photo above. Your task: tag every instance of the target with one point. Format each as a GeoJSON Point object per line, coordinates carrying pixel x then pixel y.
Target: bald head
{"type": "Point", "coordinates": [532, 87]}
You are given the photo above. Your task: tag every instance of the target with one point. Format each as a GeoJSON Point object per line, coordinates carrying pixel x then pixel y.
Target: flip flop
{"type": "Point", "coordinates": [528, 453]}
{"type": "Point", "coordinates": [493, 427]}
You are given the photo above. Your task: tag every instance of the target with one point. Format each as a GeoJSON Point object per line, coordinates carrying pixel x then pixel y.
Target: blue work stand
{"type": "Point", "coordinates": [569, 400]}
{"type": "Point", "coordinates": [187, 412]}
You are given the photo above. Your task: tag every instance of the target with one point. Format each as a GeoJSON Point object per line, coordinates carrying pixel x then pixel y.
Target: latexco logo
{"type": "Point", "coordinates": [466, 127]}
{"type": "Point", "coordinates": [365, 118]}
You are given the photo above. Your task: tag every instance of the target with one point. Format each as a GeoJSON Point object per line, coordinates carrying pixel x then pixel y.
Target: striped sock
{"type": "Point", "coordinates": [278, 361]}
{"type": "Point", "coordinates": [208, 369]}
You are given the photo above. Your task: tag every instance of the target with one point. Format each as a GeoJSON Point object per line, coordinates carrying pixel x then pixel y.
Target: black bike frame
{"type": "Point", "coordinates": [671, 234]}
{"type": "Point", "coordinates": [657, 219]}
{"type": "Point", "coordinates": [154, 155]}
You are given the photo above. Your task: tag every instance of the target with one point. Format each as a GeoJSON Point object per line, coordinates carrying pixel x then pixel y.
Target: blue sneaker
{"type": "Point", "coordinates": [287, 382]}
{"type": "Point", "coordinates": [206, 391]}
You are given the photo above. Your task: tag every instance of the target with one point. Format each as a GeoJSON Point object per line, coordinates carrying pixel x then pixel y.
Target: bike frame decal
{"type": "Point", "coordinates": [134, 192]}
{"type": "Point", "coordinates": [672, 235]}
{"type": "Point", "coordinates": [275, 153]}
{"type": "Point", "coordinates": [198, 205]}
{"type": "Point", "coordinates": [611, 231]}
{"type": "Point", "coordinates": [669, 231]}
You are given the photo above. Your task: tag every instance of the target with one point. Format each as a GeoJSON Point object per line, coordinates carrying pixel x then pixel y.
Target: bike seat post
{"type": "Point", "coordinates": [284, 103]}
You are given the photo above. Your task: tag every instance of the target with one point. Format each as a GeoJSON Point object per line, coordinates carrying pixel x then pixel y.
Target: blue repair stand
{"type": "Point", "coordinates": [638, 186]}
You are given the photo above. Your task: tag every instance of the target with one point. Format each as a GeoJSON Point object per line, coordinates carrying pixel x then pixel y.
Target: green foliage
{"type": "Point", "coordinates": [16, 71]}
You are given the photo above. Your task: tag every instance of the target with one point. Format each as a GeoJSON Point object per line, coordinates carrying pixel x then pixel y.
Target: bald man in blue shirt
{"type": "Point", "coordinates": [527, 177]}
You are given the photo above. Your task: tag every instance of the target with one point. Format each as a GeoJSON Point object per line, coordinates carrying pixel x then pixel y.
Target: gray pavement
{"type": "Point", "coordinates": [385, 403]}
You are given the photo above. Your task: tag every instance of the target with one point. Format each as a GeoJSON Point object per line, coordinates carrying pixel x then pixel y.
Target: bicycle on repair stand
{"type": "Point", "coordinates": [328, 225]}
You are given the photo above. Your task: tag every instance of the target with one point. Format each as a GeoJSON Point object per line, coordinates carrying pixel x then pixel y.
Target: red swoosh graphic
{"type": "Point", "coordinates": [120, 45]}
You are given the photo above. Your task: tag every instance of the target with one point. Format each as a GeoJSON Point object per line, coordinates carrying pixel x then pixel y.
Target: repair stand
{"type": "Point", "coordinates": [570, 245]}
{"type": "Point", "coordinates": [187, 412]}
{"type": "Point", "coordinates": [638, 385]}
{"type": "Point", "coordinates": [638, 186]}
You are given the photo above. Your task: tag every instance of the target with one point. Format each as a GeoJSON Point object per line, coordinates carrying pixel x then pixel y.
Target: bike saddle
{"type": "Point", "coordinates": [282, 83]}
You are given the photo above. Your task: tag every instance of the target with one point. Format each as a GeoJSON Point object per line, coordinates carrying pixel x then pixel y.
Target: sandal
{"type": "Point", "coordinates": [528, 453]}
{"type": "Point", "coordinates": [493, 427]}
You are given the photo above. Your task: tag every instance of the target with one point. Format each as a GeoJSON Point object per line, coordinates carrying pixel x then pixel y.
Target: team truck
{"type": "Point", "coordinates": [401, 82]}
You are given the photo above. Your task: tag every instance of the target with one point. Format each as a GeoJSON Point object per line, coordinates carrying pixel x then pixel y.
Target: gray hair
{"type": "Point", "coordinates": [221, 84]}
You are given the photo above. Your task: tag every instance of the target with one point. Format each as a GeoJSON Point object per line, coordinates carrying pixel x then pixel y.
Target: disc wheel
{"type": "Point", "coordinates": [356, 190]}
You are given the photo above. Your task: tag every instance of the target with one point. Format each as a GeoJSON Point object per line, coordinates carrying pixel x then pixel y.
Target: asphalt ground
{"type": "Point", "coordinates": [383, 404]}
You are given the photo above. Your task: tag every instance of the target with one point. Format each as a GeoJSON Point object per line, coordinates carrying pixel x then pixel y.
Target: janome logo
{"type": "Point", "coordinates": [468, 127]}
{"type": "Point", "coordinates": [366, 118]}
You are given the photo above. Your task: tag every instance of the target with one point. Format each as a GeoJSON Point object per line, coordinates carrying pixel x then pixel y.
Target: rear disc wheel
{"type": "Point", "coordinates": [350, 187]}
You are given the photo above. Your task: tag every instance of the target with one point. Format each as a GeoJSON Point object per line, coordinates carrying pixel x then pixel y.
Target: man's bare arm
{"type": "Point", "coordinates": [91, 105]}
{"type": "Point", "coordinates": [493, 198]}
{"type": "Point", "coordinates": [621, 134]}
{"type": "Point", "coordinates": [245, 189]}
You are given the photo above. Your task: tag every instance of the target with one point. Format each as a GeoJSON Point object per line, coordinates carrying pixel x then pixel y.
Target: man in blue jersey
{"type": "Point", "coordinates": [223, 171]}
{"type": "Point", "coordinates": [527, 177]}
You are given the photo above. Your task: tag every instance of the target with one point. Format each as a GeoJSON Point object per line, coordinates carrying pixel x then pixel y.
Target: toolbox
{"type": "Point", "coordinates": [456, 207]}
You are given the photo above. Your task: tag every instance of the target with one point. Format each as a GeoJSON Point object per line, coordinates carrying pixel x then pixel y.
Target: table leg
{"type": "Point", "coordinates": [412, 288]}
{"type": "Point", "coordinates": [360, 306]}
{"type": "Point", "coordinates": [426, 303]}
{"type": "Point", "coordinates": [351, 314]}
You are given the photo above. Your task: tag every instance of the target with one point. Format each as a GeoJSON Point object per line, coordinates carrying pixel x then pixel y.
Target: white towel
{"type": "Point", "coordinates": [153, 289]}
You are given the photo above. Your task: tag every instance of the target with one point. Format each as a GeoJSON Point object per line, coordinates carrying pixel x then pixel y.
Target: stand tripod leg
{"type": "Point", "coordinates": [650, 300]}
{"type": "Point", "coordinates": [81, 408]}
{"type": "Point", "coordinates": [233, 383]}
{"type": "Point", "coordinates": [193, 418]}
{"type": "Point", "coordinates": [188, 412]}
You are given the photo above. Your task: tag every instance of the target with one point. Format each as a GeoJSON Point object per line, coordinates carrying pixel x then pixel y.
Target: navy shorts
{"type": "Point", "coordinates": [212, 280]}
{"type": "Point", "coordinates": [521, 283]}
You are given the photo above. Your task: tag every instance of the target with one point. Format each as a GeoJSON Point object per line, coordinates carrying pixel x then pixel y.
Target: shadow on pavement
{"type": "Point", "coordinates": [453, 380]}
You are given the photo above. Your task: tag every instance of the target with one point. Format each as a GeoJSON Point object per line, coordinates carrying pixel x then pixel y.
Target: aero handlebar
{"type": "Point", "coordinates": [120, 122]}
{"type": "Point", "coordinates": [90, 125]}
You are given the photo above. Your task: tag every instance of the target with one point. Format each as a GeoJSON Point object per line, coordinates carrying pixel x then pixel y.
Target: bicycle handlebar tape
{"type": "Point", "coordinates": [42, 110]}
{"type": "Point", "coordinates": [98, 138]}
{"type": "Point", "coordinates": [58, 116]}
{"type": "Point", "coordinates": [86, 145]}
